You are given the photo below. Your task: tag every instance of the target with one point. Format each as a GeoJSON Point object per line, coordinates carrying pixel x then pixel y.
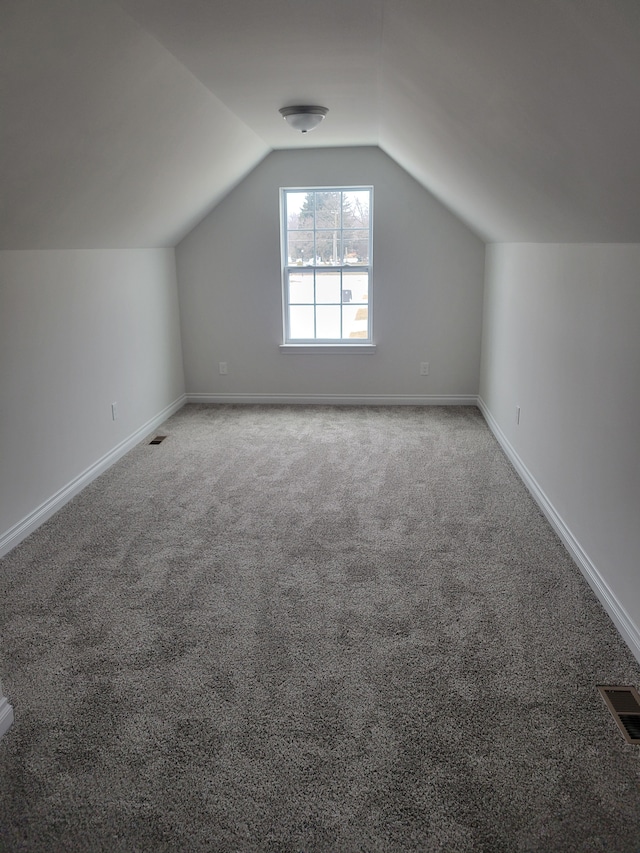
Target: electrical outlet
{"type": "Point", "coordinates": [222, 367]}
{"type": "Point", "coordinates": [114, 411]}
{"type": "Point", "coordinates": [424, 368]}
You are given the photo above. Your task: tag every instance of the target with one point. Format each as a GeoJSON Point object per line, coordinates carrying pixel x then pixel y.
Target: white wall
{"type": "Point", "coordinates": [561, 340]}
{"type": "Point", "coordinates": [428, 286]}
{"type": "Point", "coordinates": [78, 331]}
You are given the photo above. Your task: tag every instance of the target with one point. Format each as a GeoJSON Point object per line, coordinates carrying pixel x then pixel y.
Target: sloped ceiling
{"type": "Point", "coordinates": [106, 140]}
{"type": "Point", "coordinates": [123, 123]}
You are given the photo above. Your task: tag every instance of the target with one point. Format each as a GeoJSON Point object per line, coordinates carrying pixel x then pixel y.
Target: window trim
{"type": "Point", "coordinates": [335, 347]}
{"type": "Point", "coordinates": [290, 344]}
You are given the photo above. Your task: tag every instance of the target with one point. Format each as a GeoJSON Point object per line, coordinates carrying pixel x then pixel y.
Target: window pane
{"type": "Point", "coordinates": [300, 286]}
{"type": "Point", "coordinates": [328, 321]}
{"type": "Point", "coordinates": [355, 209]}
{"type": "Point", "coordinates": [355, 321]}
{"type": "Point", "coordinates": [301, 321]}
{"type": "Point", "coordinates": [328, 287]}
{"type": "Point", "coordinates": [357, 283]}
{"type": "Point", "coordinates": [295, 202]}
{"type": "Point", "coordinates": [328, 247]}
{"type": "Point", "coordinates": [327, 209]}
{"type": "Point", "coordinates": [356, 247]}
{"type": "Point", "coordinates": [300, 248]}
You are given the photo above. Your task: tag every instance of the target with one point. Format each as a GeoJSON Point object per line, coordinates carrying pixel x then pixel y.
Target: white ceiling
{"type": "Point", "coordinates": [123, 123]}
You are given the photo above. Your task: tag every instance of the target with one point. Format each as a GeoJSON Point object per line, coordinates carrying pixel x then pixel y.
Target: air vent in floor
{"type": "Point", "coordinates": [624, 704]}
{"type": "Point", "coordinates": [157, 439]}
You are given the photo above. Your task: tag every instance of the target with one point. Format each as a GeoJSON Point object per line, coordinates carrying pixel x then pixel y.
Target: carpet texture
{"type": "Point", "coordinates": [310, 629]}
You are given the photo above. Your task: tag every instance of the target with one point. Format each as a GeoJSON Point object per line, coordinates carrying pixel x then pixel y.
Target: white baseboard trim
{"type": "Point", "coordinates": [6, 716]}
{"type": "Point", "coordinates": [621, 619]}
{"type": "Point", "coordinates": [337, 399]}
{"type": "Point", "coordinates": [31, 522]}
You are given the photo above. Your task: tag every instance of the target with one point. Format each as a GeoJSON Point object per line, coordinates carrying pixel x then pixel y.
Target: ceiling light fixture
{"type": "Point", "coordinates": [303, 118]}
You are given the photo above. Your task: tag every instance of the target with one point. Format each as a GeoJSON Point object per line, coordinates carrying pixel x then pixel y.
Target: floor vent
{"type": "Point", "coordinates": [624, 704]}
{"type": "Point", "coordinates": [157, 439]}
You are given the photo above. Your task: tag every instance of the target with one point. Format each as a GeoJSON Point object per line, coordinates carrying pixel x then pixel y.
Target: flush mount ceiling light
{"type": "Point", "coordinates": [303, 118]}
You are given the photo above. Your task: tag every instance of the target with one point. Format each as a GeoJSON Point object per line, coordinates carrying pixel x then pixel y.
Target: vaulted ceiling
{"type": "Point", "coordinates": [123, 123]}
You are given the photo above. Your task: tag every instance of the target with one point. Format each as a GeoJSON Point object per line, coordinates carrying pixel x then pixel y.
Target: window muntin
{"type": "Point", "coordinates": [327, 264]}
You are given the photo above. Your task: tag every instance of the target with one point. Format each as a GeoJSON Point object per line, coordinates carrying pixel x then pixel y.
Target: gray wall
{"type": "Point", "coordinates": [561, 340]}
{"type": "Point", "coordinates": [428, 285]}
{"type": "Point", "coordinates": [78, 331]}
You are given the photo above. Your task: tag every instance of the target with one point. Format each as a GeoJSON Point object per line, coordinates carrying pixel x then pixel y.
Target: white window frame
{"type": "Point", "coordinates": [325, 344]}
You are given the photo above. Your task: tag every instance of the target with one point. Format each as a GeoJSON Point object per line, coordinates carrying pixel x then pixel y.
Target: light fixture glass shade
{"type": "Point", "coordinates": [303, 118]}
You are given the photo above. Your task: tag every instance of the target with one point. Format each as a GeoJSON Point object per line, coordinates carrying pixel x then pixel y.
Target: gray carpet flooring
{"type": "Point", "coordinates": [310, 629]}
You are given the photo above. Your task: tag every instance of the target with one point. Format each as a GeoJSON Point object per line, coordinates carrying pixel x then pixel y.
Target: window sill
{"type": "Point", "coordinates": [328, 348]}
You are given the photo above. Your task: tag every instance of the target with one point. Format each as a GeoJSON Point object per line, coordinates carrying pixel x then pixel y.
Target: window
{"type": "Point", "coordinates": [327, 270]}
